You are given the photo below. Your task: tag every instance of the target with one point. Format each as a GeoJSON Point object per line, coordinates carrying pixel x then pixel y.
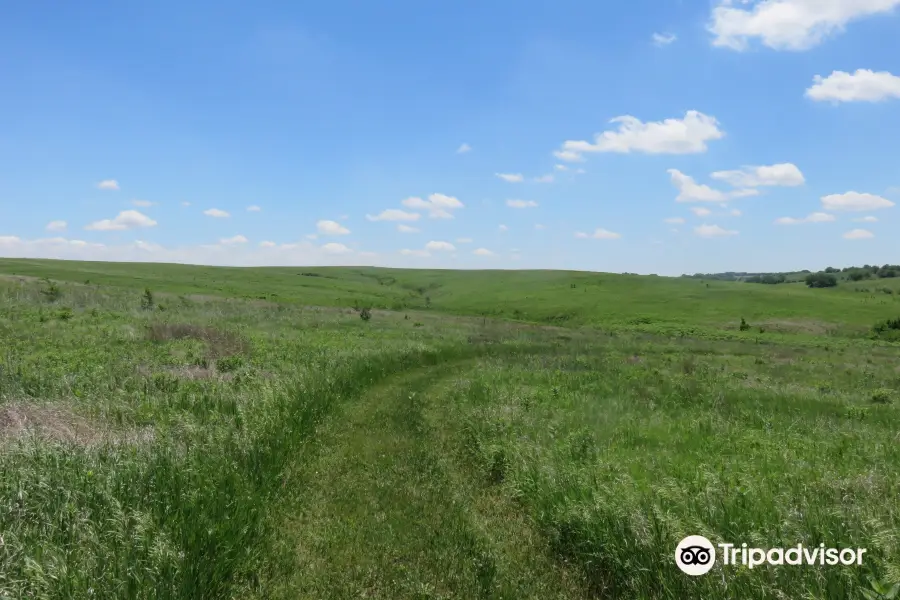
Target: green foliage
{"type": "Point", "coordinates": [820, 280]}
{"type": "Point", "coordinates": [230, 364]}
{"type": "Point", "coordinates": [147, 300]}
{"type": "Point", "coordinates": [51, 291]}
{"type": "Point", "coordinates": [744, 325]}
{"type": "Point", "coordinates": [365, 313]}
{"type": "Point", "coordinates": [64, 314]}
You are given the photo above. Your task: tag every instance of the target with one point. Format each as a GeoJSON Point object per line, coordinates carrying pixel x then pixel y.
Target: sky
{"type": "Point", "coordinates": [647, 136]}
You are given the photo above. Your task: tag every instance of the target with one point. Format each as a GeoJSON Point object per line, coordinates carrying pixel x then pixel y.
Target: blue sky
{"type": "Point", "coordinates": [126, 127]}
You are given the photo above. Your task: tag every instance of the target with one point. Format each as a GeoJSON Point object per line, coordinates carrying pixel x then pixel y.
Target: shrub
{"type": "Point", "coordinates": [147, 300]}
{"type": "Point", "coordinates": [229, 364]}
{"type": "Point", "coordinates": [744, 325]}
{"type": "Point", "coordinates": [51, 293]}
{"type": "Point", "coordinates": [365, 314]}
{"type": "Point", "coordinates": [883, 396]}
{"type": "Point", "coordinates": [820, 280]}
{"type": "Point", "coordinates": [65, 313]}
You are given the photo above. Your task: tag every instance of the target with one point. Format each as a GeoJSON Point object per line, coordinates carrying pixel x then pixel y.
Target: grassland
{"type": "Point", "coordinates": [248, 435]}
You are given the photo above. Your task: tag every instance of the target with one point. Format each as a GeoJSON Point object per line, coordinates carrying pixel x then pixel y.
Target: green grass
{"type": "Point", "coordinates": [228, 447]}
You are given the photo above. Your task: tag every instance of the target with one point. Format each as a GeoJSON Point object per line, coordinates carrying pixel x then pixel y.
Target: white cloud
{"type": "Point", "coordinates": [862, 86]}
{"type": "Point", "coordinates": [143, 203]}
{"type": "Point", "coordinates": [463, 149]}
{"type": "Point", "coordinates": [735, 212]}
{"type": "Point", "coordinates": [108, 184]}
{"type": "Point", "coordinates": [421, 253]}
{"type": "Point", "coordinates": [581, 235]}
{"type": "Point", "coordinates": [253, 208]}
{"type": "Point", "coordinates": [539, 227]}
{"type": "Point", "coordinates": [503, 228]}
{"type": "Point", "coordinates": [713, 231]}
{"type": "Point", "coordinates": [869, 219]}
{"type": "Point", "coordinates": [440, 246]}
{"type": "Point", "coordinates": [510, 177]}
{"type": "Point", "coordinates": [858, 234]}
{"type": "Point", "coordinates": [394, 214]}
{"type": "Point", "coordinates": [561, 167]}
{"type": "Point", "coordinates": [782, 174]}
{"type": "Point", "coordinates": [238, 239]}
{"type": "Point", "coordinates": [855, 201]}
{"type": "Point", "coordinates": [700, 211]}
{"type": "Point", "coordinates": [521, 203]}
{"type": "Point", "coordinates": [335, 248]}
{"type": "Point", "coordinates": [127, 219]}
{"type": "Point", "coordinates": [437, 205]}
{"type": "Point", "coordinates": [57, 226]}
{"type": "Point", "coordinates": [674, 220]}
{"type": "Point", "coordinates": [568, 156]}
{"type": "Point", "coordinates": [816, 217]}
{"type": "Point", "coordinates": [691, 191]}
{"type": "Point", "coordinates": [664, 39]}
{"type": "Point", "coordinates": [544, 179]}
{"type": "Point", "coordinates": [215, 212]}
{"type": "Point", "coordinates": [603, 234]}
{"type": "Point", "coordinates": [406, 229]}
{"type": "Point", "coordinates": [463, 240]}
{"type": "Point", "coordinates": [482, 252]}
{"type": "Point", "coordinates": [185, 203]}
{"type": "Point", "coordinates": [788, 24]}
{"type": "Point", "coordinates": [331, 228]}
{"type": "Point", "coordinates": [311, 236]}
{"type": "Point", "coordinates": [688, 135]}
{"type": "Point", "coordinates": [266, 254]}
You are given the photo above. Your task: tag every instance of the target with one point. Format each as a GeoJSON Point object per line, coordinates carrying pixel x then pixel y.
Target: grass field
{"type": "Point", "coordinates": [484, 435]}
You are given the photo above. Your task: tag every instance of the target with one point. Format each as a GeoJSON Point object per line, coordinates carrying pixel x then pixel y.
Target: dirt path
{"type": "Point", "coordinates": [382, 511]}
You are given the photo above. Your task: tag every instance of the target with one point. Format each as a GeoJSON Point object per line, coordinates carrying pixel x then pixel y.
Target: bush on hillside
{"type": "Point", "coordinates": [820, 280]}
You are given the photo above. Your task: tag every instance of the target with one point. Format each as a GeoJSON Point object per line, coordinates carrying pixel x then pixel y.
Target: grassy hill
{"type": "Point", "coordinates": [550, 297]}
{"type": "Point", "coordinates": [243, 434]}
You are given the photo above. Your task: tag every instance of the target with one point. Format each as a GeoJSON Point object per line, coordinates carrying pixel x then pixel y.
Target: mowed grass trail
{"type": "Point", "coordinates": [192, 446]}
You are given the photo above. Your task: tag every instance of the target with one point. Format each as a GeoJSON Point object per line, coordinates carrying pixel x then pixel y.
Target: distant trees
{"type": "Point", "coordinates": [769, 278]}
{"type": "Point", "coordinates": [820, 280]}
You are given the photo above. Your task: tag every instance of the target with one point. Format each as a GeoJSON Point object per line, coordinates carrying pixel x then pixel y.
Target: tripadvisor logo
{"type": "Point", "coordinates": [696, 555]}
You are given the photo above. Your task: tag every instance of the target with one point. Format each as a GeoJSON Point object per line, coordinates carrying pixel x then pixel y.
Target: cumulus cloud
{"type": "Point", "coordinates": [238, 239]}
{"type": "Point", "coordinates": [482, 252]}
{"type": "Point", "coordinates": [440, 246]}
{"type": "Point", "coordinates": [394, 214]}
{"type": "Point", "coordinates": [788, 24]}
{"type": "Point", "coordinates": [674, 220]}
{"type": "Point", "coordinates": [862, 86]}
{"type": "Point", "coordinates": [463, 149]}
{"type": "Point", "coordinates": [331, 228]}
{"type": "Point", "coordinates": [782, 174]}
{"type": "Point", "coordinates": [700, 211]}
{"type": "Point", "coordinates": [561, 167]}
{"type": "Point", "coordinates": [816, 217]}
{"type": "Point", "coordinates": [868, 219]}
{"type": "Point", "coordinates": [713, 231]}
{"type": "Point", "coordinates": [57, 226]}
{"type": "Point", "coordinates": [599, 234]}
{"type": "Point", "coordinates": [664, 39]}
{"type": "Point", "coordinates": [521, 203]}
{"type": "Point", "coordinates": [108, 184]}
{"type": "Point", "coordinates": [858, 234]}
{"type": "Point", "coordinates": [236, 254]}
{"type": "Point", "coordinates": [439, 206]}
{"type": "Point", "coordinates": [253, 208]}
{"type": "Point", "coordinates": [854, 201]}
{"type": "Point", "coordinates": [216, 213]}
{"type": "Point", "coordinates": [335, 248]}
{"type": "Point", "coordinates": [510, 177]}
{"type": "Point", "coordinates": [420, 253]}
{"type": "Point", "coordinates": [127, 219]}
{"type": "Point", "coordinates": [568, 155]}
{"type": "Point", "coordinates": [463, 240]}
{"type": "Point", "coordinates": [544, 179]}
{"type": "Point", "coordinates": [406, 229]}
{"type": "Point", "coordinates": [688, 135]}
{"type": "Point", "coordinates": [691, 191]}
